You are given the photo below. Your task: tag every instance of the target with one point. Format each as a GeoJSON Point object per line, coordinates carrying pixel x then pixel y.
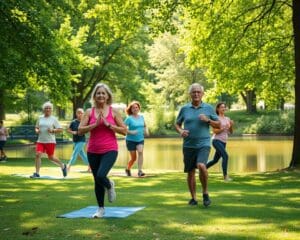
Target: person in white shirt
{"type": "Point", "coordinates": [46, 127]}
{"type": "Point", "coordinates": [219, 140]}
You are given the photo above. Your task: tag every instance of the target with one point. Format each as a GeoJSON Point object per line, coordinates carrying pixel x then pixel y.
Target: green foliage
{"type": "Point", "coordinates": [26, 100]}
{"type": "Point", "coordinates": [282, 123]}
{"type": "Point", "coordinates": [25, 119]}
{"type": "Point", "coordinates": [160, 121]}
{"type": "Point", "coordinates": [61, 49]}
{"type": "Point", "coordinates": [155, 121]}
{"type": "Point", "coordinates": [107, 41]}
{"type": "Point", "coordinates": [29, 47]}
{"type": "Point", "coordinates": [245, 46]}
{"type": "Point", "coordinates": [172, 75]}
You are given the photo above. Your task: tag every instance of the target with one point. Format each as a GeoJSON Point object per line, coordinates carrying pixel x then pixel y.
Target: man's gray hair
{"type": "Point", "coordinates": [47, 104]}
{"type": "Point", "coordinates": [195, 85]}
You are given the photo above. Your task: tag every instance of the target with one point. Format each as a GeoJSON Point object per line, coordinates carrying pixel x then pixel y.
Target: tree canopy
{"type": "Point", "coordinates": [247, 47]}
{"type": "Point", "coordinates": [61, 49]}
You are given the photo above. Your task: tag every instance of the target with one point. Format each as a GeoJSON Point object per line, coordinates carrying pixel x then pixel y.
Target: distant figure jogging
{"type": "Point", "coordinates": [135, 137]}
{"type": "Point", "coordinates": [46, 127]}
{"type": "Point", "coordinates": [78, 141]}
{"type": "Point", "coordinates": [192, 124]}
{"type": "Point", "coordinates": [220, 137]}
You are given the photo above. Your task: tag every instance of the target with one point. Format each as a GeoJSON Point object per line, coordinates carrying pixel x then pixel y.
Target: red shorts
{"type": "Point", "coordinates": [45, 148]}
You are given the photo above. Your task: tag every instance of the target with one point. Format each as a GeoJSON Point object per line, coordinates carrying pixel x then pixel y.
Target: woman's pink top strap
{"type": "Point", "coordinates": [102, 139]}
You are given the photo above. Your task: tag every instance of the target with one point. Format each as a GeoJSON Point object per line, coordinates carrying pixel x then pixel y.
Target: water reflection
{"type": "Point", "coordinates": [246, 154]}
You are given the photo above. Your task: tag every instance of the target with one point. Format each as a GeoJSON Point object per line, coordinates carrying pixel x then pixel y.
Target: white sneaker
{"type": "Point", "coordinates": [99, 213]}
{"type": "Point", "coordinates": [111, 193]}
{"type": "Point", "coordinates": [227, 179]}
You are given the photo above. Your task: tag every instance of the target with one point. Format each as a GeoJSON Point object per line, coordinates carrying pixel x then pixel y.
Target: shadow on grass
{"type": "Point", "coordinates": [253, 206]}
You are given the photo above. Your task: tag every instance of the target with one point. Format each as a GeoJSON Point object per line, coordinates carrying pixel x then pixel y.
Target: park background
{"type": "Point", "coordinates": [245, 53]}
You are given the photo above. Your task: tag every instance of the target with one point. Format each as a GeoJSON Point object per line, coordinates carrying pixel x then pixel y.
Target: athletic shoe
{"type": "Point", "coordinates": [227, 179]}
{"type": "Point", "coordinates": [35, 175]}
{"type": "Point", "coordinates": [99, 213]}
{"type": "Point", "coordinates": [3, 159]}
{"type": "Point", "coordinates": [193, 202]}
{"type": "Point", "coordinates": [206, 200]}
{"type": "Point", "coordinates": [111, 193]}
{"type": "Point", "coordinates": [64, 170]}
{"type": "Point", "coordinates": [141, 174]}
{"type": "Point", "coordinates": [128, 173]}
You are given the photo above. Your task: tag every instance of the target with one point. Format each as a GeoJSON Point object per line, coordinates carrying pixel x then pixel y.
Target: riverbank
{"type": "Point", "coordinates": [247, 154]}
{"type": "Point", "coordinates": [22, 142]}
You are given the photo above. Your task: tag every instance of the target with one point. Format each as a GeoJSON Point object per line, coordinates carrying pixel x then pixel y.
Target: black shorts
{"type": "Point", "coordinates": [2, 143]}
{"type": "Point", "coordinates": [194, 156]}
{"type": "Point", "coordinates": [131, 145]}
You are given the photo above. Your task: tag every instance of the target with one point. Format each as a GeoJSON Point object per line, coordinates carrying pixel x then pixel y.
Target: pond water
{"type": "Point", "coordinates": [246, 154]}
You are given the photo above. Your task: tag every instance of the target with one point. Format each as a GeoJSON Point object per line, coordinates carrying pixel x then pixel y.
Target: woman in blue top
{"type": "Point", "coordinates": [135, 137]}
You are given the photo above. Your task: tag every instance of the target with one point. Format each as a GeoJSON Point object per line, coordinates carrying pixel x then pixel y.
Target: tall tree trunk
{"type": "Point", "coordinates": [295, 162]}
{"type": "Point", "coordinates": [250, 101]}
{"type": "Point", "coordinates": [61, 113]}
{"type": "Point", "coordinates": [281, 104]}
{"type": "Point", "coordinates": [2, 107]}
{"type": "Point", "coordinates": [78, 102]}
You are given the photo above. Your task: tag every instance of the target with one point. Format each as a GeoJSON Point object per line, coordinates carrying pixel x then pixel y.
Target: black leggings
{"type": "Point", "coordinates": [220, 152]}
{"type": "Point", "coordinates": [101, 165]}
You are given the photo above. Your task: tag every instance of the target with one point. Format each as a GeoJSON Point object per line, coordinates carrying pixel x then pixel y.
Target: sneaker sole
{"type": "Point", "coordinates": [207, 204]}
{"type": "Point", "coordinates": [115, 195]}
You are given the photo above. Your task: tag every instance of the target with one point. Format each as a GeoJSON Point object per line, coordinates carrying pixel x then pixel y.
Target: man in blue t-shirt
{"type": "Point", "coordinates": [192, 124]}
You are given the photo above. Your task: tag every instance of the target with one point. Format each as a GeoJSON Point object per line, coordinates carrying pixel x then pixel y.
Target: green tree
{"type": "Point", "coordinates": [249, 45]}
{"type": "Point", "coordinates": [172, 75]}
{"type": "Point", "coordinates": [29, 49]}
{"type": "Point", "coordinates": [295, 162]}
{"type": "Point", "coordinates": [109, 39]}
{"type": "Point", "coordinates": [246, 47]}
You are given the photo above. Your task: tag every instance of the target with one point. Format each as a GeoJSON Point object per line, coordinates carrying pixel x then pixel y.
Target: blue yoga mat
{"type": "Point", "coordinates": [42, 177]}
{"type": "Point", "coordinates": [110, 212]}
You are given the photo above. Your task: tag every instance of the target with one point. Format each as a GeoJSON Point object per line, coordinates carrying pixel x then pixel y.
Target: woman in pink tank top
{"type": "Point", "coordinates": [103, 122]}
{"type": "Point", "coordinates": [219, 140]}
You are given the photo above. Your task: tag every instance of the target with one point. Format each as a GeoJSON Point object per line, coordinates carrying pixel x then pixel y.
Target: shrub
{"type": "Point", "coordinates": [282, 123]}
{"type": "Point", "coordinates": [24, 119]}
{"type": "Point", "coordinates": [159, 121]}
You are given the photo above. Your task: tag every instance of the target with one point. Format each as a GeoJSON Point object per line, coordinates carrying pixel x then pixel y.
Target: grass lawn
{"type": "Point", "coordinates": [253, 206]}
